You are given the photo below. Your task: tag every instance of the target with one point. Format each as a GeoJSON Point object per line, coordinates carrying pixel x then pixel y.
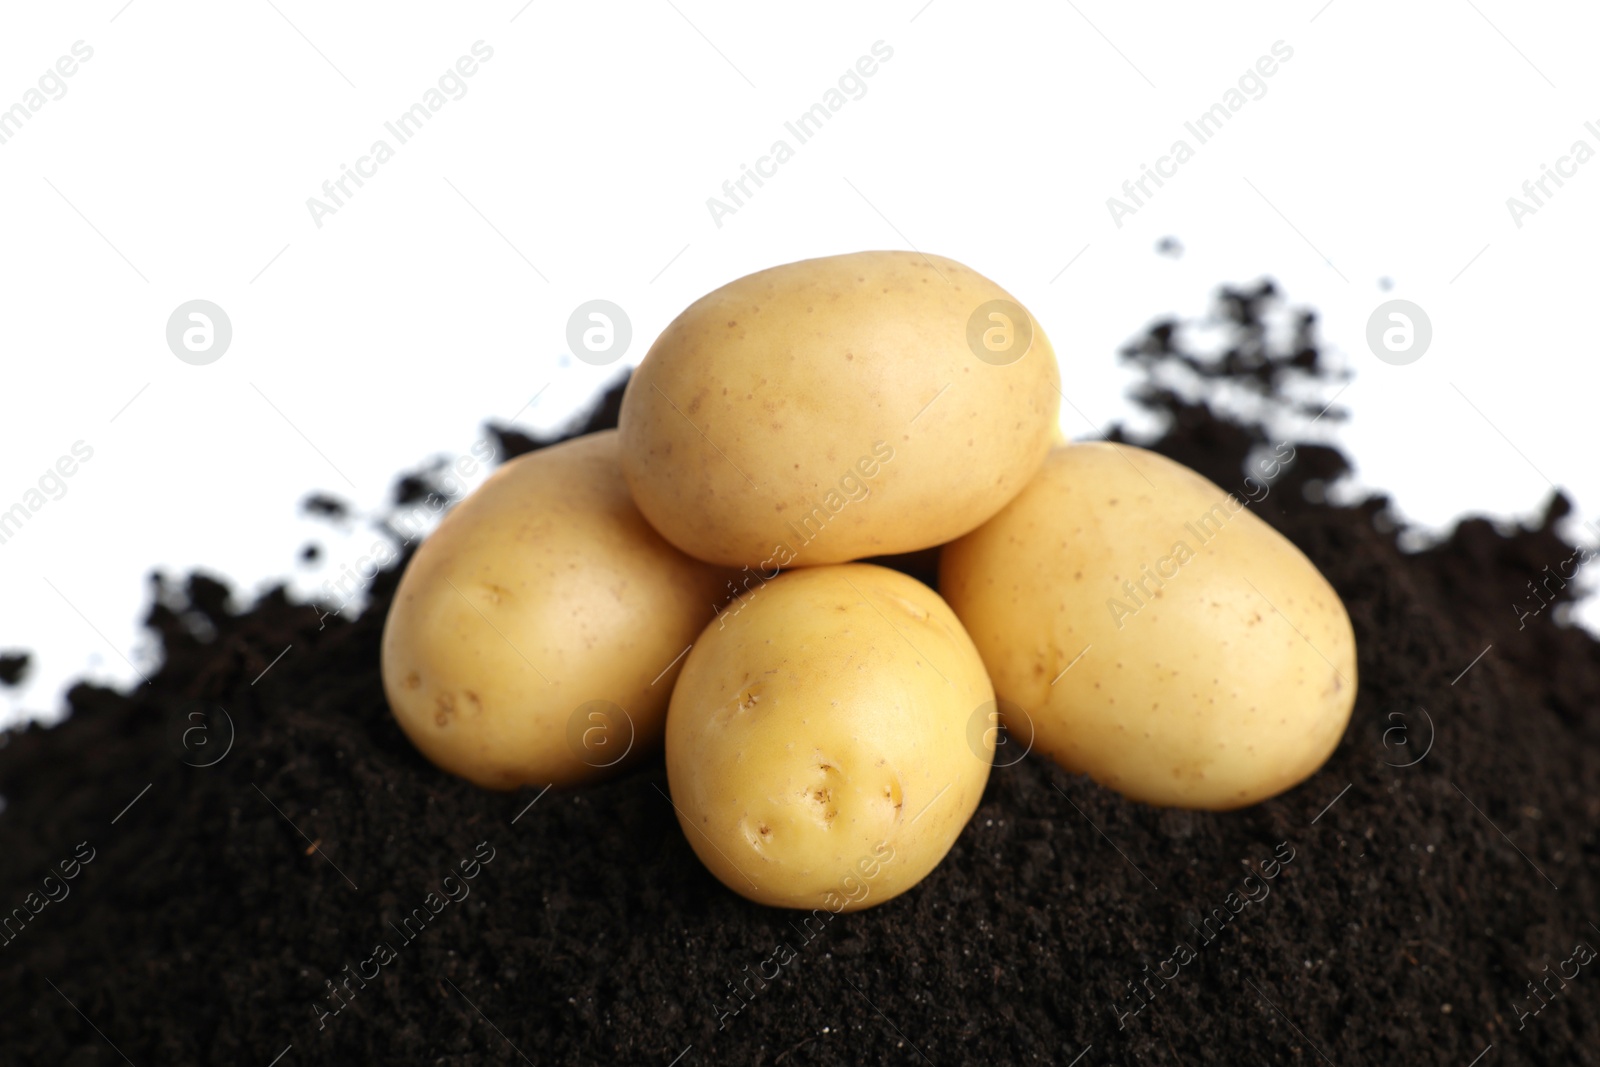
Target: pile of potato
{"type": "Point", "coordinates": [830, 724]}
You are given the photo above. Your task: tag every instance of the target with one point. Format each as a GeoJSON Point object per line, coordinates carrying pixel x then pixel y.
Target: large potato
{"type": "Point", "coordinates": [528, 632]}
{"type": "Point", "coordinates": [1218, 666]}
{"type": "Point", "coordinates": [838, 408]}
{"type": "Point", "coordinates": [819, 745]}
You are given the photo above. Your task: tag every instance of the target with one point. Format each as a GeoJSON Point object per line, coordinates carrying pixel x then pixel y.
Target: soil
{"type": "Point", "coordinates": [196, 856]}
{"type": "Point", "coordinates": [13, 667]}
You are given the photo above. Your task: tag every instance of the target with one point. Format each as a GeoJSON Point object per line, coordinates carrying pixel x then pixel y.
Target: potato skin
{"type": "Point", "coordinates": [541, 592]}
{"type": "Point", "coordinates": [1194, 692]}
{"type": "Point", "coordinates": [816, 758]}
{"type": "Point", "coordinates": [795, 417]}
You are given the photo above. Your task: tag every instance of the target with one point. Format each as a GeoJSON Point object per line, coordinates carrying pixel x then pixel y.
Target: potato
{"type": "Point", "coordinates": [533, 635]}
{"type": "Point", "coordinates": [818, 744]}
{"type": "Point", "coordinates": [1218, 666]}
{"type": "Point", "coordinates": [838, 408]}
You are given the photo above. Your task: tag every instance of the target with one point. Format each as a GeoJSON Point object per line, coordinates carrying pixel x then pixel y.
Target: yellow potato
{"type": "Point", "coordinates": [820, 748]}
{"type": "Point", "coordinates": [838, 408]}
{"type": "Point", "coordinates": [1218, 666]}
{"type": "Point", "coordinates": [528, 632]}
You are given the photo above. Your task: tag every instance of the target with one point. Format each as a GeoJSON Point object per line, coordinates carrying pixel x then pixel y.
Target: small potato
{"type": "Point", "coordinates": [527, 634]}
{"type": "Point", "coordinates": [838, 408]}
{"type": "Point", "coordinates": [1160, 636]}
{"type": "Point", "coordinates": [820, 748]}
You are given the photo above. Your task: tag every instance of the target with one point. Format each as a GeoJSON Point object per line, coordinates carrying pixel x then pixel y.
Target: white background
{"type": "Point", "coordinates": [577, 166]}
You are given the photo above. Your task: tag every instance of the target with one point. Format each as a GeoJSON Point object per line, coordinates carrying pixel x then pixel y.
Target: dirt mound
{"type": "Point", "coordinates": [193, 862]}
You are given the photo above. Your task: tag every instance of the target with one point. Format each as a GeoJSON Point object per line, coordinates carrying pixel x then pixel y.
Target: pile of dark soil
{"type": "Point", "coordinates": [183, 901]}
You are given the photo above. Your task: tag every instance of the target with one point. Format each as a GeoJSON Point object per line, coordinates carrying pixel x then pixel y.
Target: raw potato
{"type": "Point", "coordinates": [1194, 690]}
{"type": "Point", "coordinates": [816, 758]}
{"type": "Point", "coordinates": [527, 630]}
{"type": "Point", "coordinates": [801, 415]}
